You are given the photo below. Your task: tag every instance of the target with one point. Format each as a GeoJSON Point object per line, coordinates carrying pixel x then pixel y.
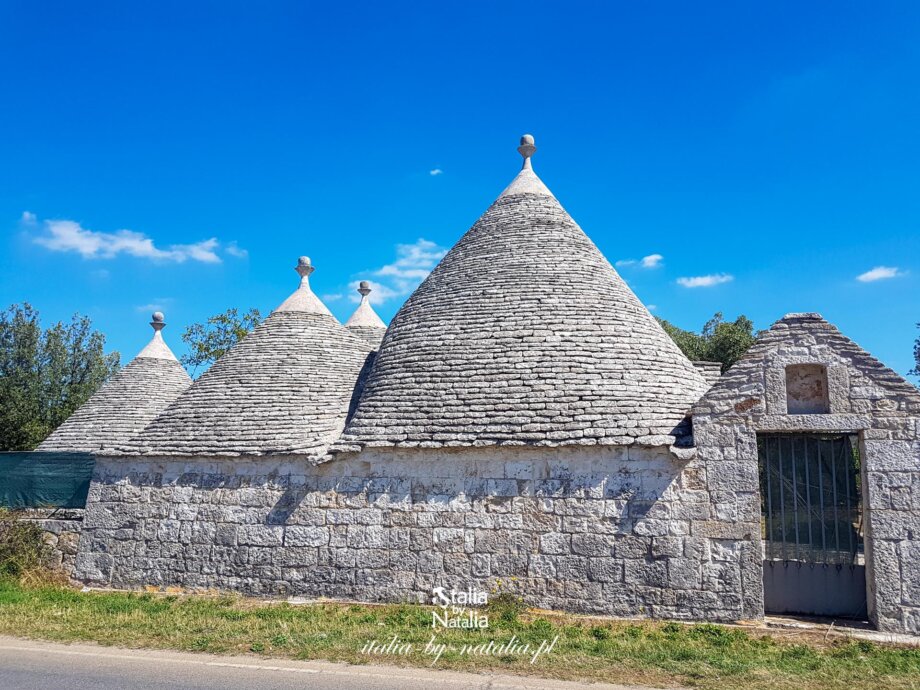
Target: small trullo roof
{"type": "Point", "coordinates": [364, 322]}
{"type": "Point", "coordinates": [286, 387]}
{"type": "Point", "coordinates": [524, 334]}
{"type": "Point", "coordinates": [127, 403]}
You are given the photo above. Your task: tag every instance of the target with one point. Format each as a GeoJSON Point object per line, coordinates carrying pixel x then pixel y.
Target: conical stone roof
{"type": "Point", "coordinates": [364, 322]}
{"type": "Point", "coordinates": [524, 334]}
{"type": "Point", "coordinates": [127, 403]}
{"type": "Point", "coordinates": [286, 387]}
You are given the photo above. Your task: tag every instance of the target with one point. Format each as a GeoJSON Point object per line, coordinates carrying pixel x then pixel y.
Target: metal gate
{"type": "Point", "coordinates": [812, 525]}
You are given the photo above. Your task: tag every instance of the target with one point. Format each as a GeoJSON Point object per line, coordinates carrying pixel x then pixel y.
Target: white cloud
{"type": "Point", "coordinates": [380, 293]}
{"type": "Point", "coordinates": [158, 304]}
{"type": "Point", "coordinates": [233, 249]}
{"type": "Point", "coordinates": [705, 281]}
{"type": "Point", "coordinates": [70, 236]}
{"type": "Point", "coordinates": [200, 251]}
{"type": "Point", "coordinates": [651, 307]}
{"type": "Point", "coordinates": [879, 273]}
{"type": "Point", "coordinates": [413, 264]}
{"type": "Point", "coordinates": [398, 279]}
{"type": "Point", "coordinates": [650, 261]}
{"type": "Point", "coordinates": [28, 218]}
{"type": "Point", "coordinates": [435, 172]}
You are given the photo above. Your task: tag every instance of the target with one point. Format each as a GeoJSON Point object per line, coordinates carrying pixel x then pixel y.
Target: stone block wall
{"type": "Point", "coordinates": [864, 398]}
{"type": "Point", "coordinates": [627, 531]}
{"type": "Point", "coordinates": [61, 529]}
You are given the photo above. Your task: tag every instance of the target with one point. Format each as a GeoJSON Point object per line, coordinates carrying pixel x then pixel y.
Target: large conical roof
{"type": "Point", "coordinates": [126, 403]}
{"type": "Point", "coordinates": [286, 387]}
{"type": "Point", "coordinates": [524, 334]}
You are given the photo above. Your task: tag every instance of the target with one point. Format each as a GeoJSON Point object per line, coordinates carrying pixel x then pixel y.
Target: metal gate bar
{"type": "Point", "coordinates": [810, 497]}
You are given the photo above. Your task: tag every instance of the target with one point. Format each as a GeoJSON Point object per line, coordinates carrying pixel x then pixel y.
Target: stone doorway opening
{"type": "Point", "coordinates": [812, 525]}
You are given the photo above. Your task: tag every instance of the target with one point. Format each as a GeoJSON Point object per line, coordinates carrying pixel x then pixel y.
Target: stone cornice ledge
{"type": "Point", "coordinates": [812, 422]}
{"type": "Point", "coordinates": [683, 453]}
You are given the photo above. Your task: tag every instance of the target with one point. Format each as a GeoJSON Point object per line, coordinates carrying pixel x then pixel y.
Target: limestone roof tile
{"type": "Point", "coordinates": [287, 387]}
{"type": "Point", "coordinates": [126, 403]}
{"type": "Point", "coordinates": [524, 334]}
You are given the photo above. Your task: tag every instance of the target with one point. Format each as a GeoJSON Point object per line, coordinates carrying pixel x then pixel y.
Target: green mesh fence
{"type": "Point", "coordinates": [45, 480]}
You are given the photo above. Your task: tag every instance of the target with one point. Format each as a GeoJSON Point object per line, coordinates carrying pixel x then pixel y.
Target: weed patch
{"type": "Point", "coordinates": [22, 547]}
{"type": "Point", "coordinates": [658, 654]}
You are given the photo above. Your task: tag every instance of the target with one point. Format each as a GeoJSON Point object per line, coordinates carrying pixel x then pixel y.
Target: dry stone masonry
{"type": "Point", "coordinates": [61, 530]}
{"type": "Point", "coordinates": [127, 403]}
{"type": "Point", "coordinates": [524, 419]}
{"type": "Point", "coordinates": [285, 388]}
{"type": "Point", "coordinates": [864, 398]}
{"type": "Point", "coordinates": [525, 334]}
{"type": "Point", "coordinates": [613, 530]}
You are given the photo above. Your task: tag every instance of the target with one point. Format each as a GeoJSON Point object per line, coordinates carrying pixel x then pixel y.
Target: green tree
{"type": "Point", "coordinates": [916, 369]}
{"type": "Point", "coordinates": [46, 375]}
{"type": "Point", "coordinates": [208, 341]}
{"type": "Point", "coordinates": [719, 341]}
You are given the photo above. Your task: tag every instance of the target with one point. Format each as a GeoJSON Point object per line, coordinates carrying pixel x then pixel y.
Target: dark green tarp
{"type": "Point", "coordinates": [45, 480]}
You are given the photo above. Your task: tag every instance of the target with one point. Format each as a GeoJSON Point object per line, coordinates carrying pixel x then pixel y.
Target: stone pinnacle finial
{"type": "Point", "coordinates": [364, 322]}
{"type": "Point", "coordinates": [158, 321]}
{"type": "Point", "coordinates": [302, 299]}
{"type": "Point", "coordinates": [527, 149]}
{"type": "Point", "coordinates": [304, 268]}
{"type": "Point", "coordinates": [156, 348]}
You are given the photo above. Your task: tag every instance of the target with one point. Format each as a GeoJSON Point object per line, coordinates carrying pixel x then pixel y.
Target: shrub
{"type": "Point", "coordinates": [716, 635]}
{"type": "Point", "coordinates": [633, 632]}
{"type": "Point", "coordinates": [599, 633]}
{"type": "Point", "coordinates": [672, 629]}
{"type": "Point", "coordinates": [506, 607]}
{"type": "Point", "coordinates": [22, 546]}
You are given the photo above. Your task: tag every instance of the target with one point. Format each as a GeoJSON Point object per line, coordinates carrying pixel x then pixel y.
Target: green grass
{"type": "Point", "coordinates": [660, 654]}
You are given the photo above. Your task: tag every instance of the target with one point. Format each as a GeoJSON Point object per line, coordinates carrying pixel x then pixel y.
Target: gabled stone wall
{"type": "Point", "coordinates": [864, 398]}
{"type": "Point", "coordinates": [627, 531]}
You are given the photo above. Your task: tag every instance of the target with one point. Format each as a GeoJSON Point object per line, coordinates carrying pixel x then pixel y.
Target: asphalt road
{"type": "Point", "coordinates": [31, 665]}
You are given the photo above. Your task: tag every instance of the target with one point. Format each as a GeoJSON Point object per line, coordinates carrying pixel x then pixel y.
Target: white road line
{"type": "Point", "coordinates": [355, 671]}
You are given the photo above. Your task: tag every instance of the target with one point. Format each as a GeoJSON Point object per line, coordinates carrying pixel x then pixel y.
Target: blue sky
{"type": "Point", "coordinates": [768, 152]}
